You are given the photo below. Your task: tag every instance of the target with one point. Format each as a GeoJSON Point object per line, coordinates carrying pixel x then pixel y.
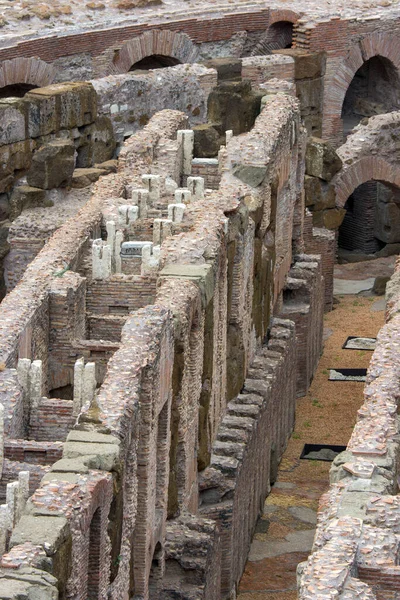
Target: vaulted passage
{"type": "Point", "coordinates": [374, 90]}
{"type": "Point", "coordinates": [155, 61]}
{"type": "Point", "coordinates": [278, 37]}
{"type": "Point", "coordinates": [372, 220]}
{"type": "Point", "coordinates": [16, 90]}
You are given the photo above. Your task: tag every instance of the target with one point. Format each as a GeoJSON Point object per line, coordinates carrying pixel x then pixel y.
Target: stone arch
{"type": "Point", "coordinates": [283, 15]}
{"type": "Point", "coordinates": [375, 44]}
{"type": "Point", "coordinates": [155, 42]}
{"type": "Point", "coordinates": [365, 169]}
{"type": "Point", "coordinates": [29, 71]}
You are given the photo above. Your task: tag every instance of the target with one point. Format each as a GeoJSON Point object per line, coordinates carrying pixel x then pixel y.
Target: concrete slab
{"type": "Point", "coordinates": [296, 541]}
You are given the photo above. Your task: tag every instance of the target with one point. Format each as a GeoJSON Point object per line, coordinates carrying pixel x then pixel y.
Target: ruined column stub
{"type": "Point", "coordinates": [101, 259]}
{"type": "Point", "coordinates": [22, 494]}
{"type": "Point", "coordinates": [23, 368]}
{"type": "Point", "coordinates": [196, 186]}
{"type": "Point", "coordinates": [141, 199]}
{"type": "Point", "coordinates": [176, 212]}
{"type": "Point", "coordinates": [5, 526]}
{"type": "Point", "coordinates": [228, 136]}
{"type": "Point", "coordinates": [89, 382]}
{"type": "Point", "coordinates": [127, 214]}
{"type": "Point", "coordinates": [162, 229]}
{"type": "Point", "coordinates": [35, 383]}
{"type": "Point", "coordinates": [170, 185]}
{"type": "Point", "coordinates": [150, 259]}
{"type": "Point", "coordinates": [186, 139]}
{"type": "Point", "coordinates": [79, 368]}
{"type": "Point", "coordinates": [152, 184]}
{"type": "Point", "coordinates": [183, 196]}
{"type": "Point", "coordinates": [119, 238]}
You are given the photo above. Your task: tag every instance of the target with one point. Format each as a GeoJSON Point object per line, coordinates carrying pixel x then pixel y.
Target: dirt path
{"type": "Point", "coordinates": [326, 415]}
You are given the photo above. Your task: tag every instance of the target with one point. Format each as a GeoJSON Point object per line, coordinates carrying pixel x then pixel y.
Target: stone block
{"type": "Point", "coordinates": [14, 157]}
{"type": "Point", "coordinates": [321, 159]}
{"type": "Point", "coordinates": [4, 245]}
{"type": "Point", "coordinates": [96, 143]}
{"type": "Point", "coordinates": [48, 532]}
{"type": "Point", "coordinates": [52, 165]}
{"type": "Point", "coordinates": [307, 65]}
{"type": "Point", "coordinates": [327, 199]}
{"type": "Point", "coordinates": [387, 222]}
{"type": "Point", "coordinates": [202, 275]}
{"type": "Point", "coordinates": [61, 106]}
{"type": "Point", "coordinates": [12, 121]}
{"type": "Point", "coordinates": [227, 68]}
{"type": "Point", "coordinates": [252, 175]}
{"type": "Point", "coordinates": [84, 177]}
{"type": "Point", "coordinates": [27, 583]}
{"type": "Point", "coordinates": [331, 219]}
{"type": "Point", "coordinates": [24, 196]}
{"type": "Point", "coordinates": [100, 456]}
{"type": "Point", "coordinates": [313, 190]}
{"type": "Point", "coordinates": [309, 93]}
{"type": "Point", "coordinates": [206, 141]}
{"type": "Point", "coordinates": [233, 105]}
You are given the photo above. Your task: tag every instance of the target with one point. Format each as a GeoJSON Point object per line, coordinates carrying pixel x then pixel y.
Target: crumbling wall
{"type": "Point", "coordinates": [185, 390]}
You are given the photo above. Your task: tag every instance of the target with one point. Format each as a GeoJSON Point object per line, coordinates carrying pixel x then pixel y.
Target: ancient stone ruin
{"type": "Point", "coordinates": [175, 183]}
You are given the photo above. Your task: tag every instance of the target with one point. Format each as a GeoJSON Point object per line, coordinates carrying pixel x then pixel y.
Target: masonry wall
{"type": "Point", "coordinates": [189, 378]}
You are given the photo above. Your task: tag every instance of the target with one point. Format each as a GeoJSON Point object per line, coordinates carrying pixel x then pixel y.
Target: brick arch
{"type": "Point", "coordinates": [32, 71]}
{"type": "Point", "coordinates": [375, 44]}
{"type": "Point", "coordinates": [159, 42]}
{"type": "Point", "coordinates": [365, 169]}
{"type": "Point", "coordinates": [283, 15]}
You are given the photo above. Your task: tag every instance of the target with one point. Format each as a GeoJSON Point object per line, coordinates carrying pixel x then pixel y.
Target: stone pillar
{"type": "Point", "coordinates": [35, 383]}
{"type": "Point", "coordinates": [196, 186]}
{"type": "Point", "coordinates": [186, 139]}
{"type": "Point", "coordinates": [22, 494]}
{"type": "Point", "coordinates": [5, 527]}
{"type": "Point", "coordinates": [150, 260]}
{"type": "Point", "coordinates": [89, 382]}
{"type": "Point", "coordinates": [140, 198]}
{"type": "Point", "coordinates": [11, 501]}
{"type": "Point", "coordinates": [228, 136]}
{"type": "Point", "coordinates": [79, 369]}
{"type": "Point", "coordinates": [176, 212]}
{"type": "Point", "coordinates": [127, 214]}
{"type": "Point", "coordinates": [101, 257]}
{"type": "Point", "coordinates": [119, 238]}
{"type": "Point", "coordinates": [153, 184]}
{"type": "Point", "coordinates": [170, 185]}
{"type": "Point", "coordinates": [183, 196]}
{"type": "Point", "coordinates": [162, 229]}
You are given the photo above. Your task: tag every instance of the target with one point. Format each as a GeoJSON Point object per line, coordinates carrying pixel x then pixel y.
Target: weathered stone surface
{"type": "Point", "coordinates": [234, 106]}
{"type": "Point", "coordinates": [83, 177]}
{"type": "Point", "coordinates": [49, 532]}
{"type": "Point", "coordinates": [52, 165]}
{"type": "Point", "coordinates": [202, 275]}
{"type": "Point", "coordinates": [206, 141]}
{"type": "Point", "coordinates": [100, 456]}
{"type": "Point", "coordinates": [60, 106]}
{"type": "Point", "coordinates": [109, 166]}
{"type": "Point", "coordinates": [321, 159]}
{"type": "Point", "coordinates": [14, 157]}
{"type": "Point", "coordinates": [12, 121]}
{"type": "Point", "coordinates": [307, 65]}
{"type": "Point", "coordinates": [96, 143]}
{"type": "Point", "coordinates": [379, 287]}
{"type": "Point", "coordinates": [251, 174]}
{"type": "Point", "coordinates": [387, 222]}
{"type": "Point", "coordinates": [27, 584]}
{"type": "Point", "coordinates": [227, 68]}
{"type": "Point", "coordinates": [313, 190]}
{"type": "Point", "coordinates": [327, 199]}
{"type": "Point", "coordinates": [331, 219]}
{"type": "Point", "coordinates": [25, 196]}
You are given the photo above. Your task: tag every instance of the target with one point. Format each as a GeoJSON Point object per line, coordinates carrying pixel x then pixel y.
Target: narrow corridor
{"type": "Point", "coordinates": [326, 415]}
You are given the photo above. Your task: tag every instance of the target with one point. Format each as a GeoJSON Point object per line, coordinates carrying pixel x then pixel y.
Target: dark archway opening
{"type": "Point", "coordinates": [93, 581]}
{"type": "Point", "coordinates": [374, 90]}
{"type": "Point", "coordinates": [278, 37]}
{"type": "Point", "coordinates": [371, 226]}
{"type": "Point", "coordinates": [16, 90]}
{"type": "Point", "coordinates": [155, 61]}
{"type": "Point", "coordinates": [156, 573]}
